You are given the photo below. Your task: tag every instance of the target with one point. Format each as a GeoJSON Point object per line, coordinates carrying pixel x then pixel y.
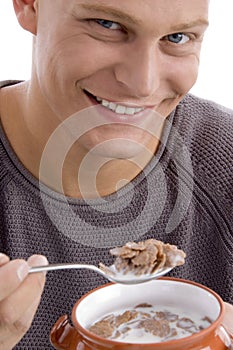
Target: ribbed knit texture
{"type": "Point", "coordinates": [34, 219]}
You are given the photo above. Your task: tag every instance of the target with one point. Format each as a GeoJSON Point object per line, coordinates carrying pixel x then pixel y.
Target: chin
{"type": "Point", "coordinates": [115, 142]}
{"type": "Point", "coordinates": [118, 149]}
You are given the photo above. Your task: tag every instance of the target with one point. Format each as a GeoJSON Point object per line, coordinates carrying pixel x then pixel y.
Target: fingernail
{"type": "Point", "coordinates": [37, 260]}
{"type": "Point", "coordinates": [22, 270]}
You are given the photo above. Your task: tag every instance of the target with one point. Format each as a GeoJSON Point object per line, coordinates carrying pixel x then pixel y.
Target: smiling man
{"type": "Point", "coordinates": [104, 145]}
{"type": "Point", "coordinates": [125, 58]}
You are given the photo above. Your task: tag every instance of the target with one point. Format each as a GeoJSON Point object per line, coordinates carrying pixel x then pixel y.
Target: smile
{"type": "Point", "coordinates": [115, 107]}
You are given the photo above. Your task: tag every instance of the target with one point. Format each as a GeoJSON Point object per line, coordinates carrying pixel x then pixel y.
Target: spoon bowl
{"type": "Point", "coordinates": [109, 273]}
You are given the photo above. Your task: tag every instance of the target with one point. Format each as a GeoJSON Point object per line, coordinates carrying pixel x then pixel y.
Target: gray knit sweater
{"type": "Point", "coordinates": [184, 197]}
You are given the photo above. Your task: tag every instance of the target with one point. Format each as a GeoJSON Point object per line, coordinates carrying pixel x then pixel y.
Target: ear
{"type": "Point", "coordinates": [26, 12]}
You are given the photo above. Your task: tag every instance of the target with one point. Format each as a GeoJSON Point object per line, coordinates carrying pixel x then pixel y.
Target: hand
{"type": "Point", "coordinates": [228, 320]}
{"type": "Point", "coordinates": [20, 294]}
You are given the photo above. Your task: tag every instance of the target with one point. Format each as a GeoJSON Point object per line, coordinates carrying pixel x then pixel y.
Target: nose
{"type": "Point", "coordinates": [140, 70]}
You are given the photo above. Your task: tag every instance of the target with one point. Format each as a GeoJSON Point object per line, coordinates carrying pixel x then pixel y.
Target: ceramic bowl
{"type": "Point", "coordinates": [169, 292]}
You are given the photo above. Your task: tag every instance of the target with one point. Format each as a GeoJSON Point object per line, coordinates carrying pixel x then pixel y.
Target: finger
{"type": "Point", "coordinates": [11, 275]}
{"type": "Point", "coordinates": [37, 260]}
{"type": "Point", "coordinates": [22, 325]}
{"type": "Point", "coordinates": [14, 307]}
{"type": "Point", "coordinates": [228, 318]}
{"type": "Point", "coordinates": [4, 259]}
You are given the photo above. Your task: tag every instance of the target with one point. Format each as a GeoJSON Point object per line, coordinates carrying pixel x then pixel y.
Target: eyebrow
{"type": "Point", "coordinates": [200, 22]}
{"type": "Point", "coordinates": [119, 15]}
{"type": "Point", "coordinates": [108, 10]}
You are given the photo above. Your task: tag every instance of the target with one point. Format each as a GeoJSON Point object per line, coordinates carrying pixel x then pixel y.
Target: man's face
{"type": "Point", "coordinates": [128, 57]}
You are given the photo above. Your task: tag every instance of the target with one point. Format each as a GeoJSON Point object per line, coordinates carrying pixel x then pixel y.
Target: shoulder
{"type": "Point", "coordinates": [4, 84]}
{"type": "Point", "coordinates": [205, 123]}
{"type": "Point", "coordinates": [5, 149]}
{"type": "Point", "coordinates": [206, 110]}
{"type": "Point", "coordinates": [206, 129]}
{"type": "Point", "coordinates": [202, 112]}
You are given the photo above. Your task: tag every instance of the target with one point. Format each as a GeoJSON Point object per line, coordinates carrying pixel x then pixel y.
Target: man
{"type": "Point", "coordinates": [102, 146]}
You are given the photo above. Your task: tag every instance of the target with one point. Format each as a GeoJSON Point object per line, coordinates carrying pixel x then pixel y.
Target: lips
{"type": "Point", "coordinates": [115, 107]}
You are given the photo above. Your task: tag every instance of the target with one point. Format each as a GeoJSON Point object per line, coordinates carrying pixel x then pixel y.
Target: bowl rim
{"type": "Point", "coordinates": [104, 341]}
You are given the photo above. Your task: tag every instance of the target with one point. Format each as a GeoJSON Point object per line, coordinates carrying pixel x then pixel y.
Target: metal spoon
{"type": "Point", "coordinates": [110, 272]}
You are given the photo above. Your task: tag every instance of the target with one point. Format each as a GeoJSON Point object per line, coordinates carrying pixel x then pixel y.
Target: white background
{"type": "Point", "coordinates": [215, 80]}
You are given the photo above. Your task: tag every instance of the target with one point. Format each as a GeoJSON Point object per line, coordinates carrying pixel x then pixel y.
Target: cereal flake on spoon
{"type": "Point", "coordinates": [146, 257]}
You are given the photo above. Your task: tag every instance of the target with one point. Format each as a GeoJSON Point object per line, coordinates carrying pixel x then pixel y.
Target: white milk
{"type": "Point", "coordinates": [182, 323]}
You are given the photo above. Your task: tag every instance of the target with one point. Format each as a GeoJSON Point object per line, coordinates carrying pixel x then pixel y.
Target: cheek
{"type": "Point", "coordinates": [57, 70]}
{"type": "Point", "coordinates": [182, 73]}
{"type": "Point", "coordinates": [80, 56]}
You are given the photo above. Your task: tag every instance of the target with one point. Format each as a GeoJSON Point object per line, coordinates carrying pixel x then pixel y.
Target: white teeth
{"type": "Point", "coordinates": [119, 109]}
{"type": "Point", "coordinates": [112, 106]}
{"type": "Point", "coordinates": [131, 111]}
{"type": "Point", "coordinates": [104, 103]}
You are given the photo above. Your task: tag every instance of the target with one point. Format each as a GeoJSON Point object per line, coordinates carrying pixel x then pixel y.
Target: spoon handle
{"type": "Point", "coordinates": [53, 267]}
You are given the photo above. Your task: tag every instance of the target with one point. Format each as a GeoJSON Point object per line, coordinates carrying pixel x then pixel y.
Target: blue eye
{"type": "Point", "coordinates": [108, 24]}
{"type": "Point", "coordinates": [178, 38]}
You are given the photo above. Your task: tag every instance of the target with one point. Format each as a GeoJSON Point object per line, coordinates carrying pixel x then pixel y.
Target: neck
{"type": "Point", "coordinates": [93, 176]}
